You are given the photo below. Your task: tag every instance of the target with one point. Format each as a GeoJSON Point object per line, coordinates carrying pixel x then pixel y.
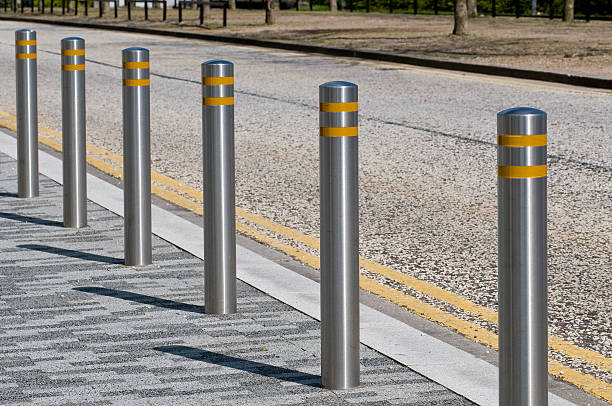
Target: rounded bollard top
{"type": "Point", "coordinates": [338, 92]}
{"type": "Point", "coordinates": [73, 43]}
{"type": "Point", "coordinates": [217, 68]}
{"type": "Point", "coordinates": [25, 34]}
{"type": "Point", "coordinates": [521, 121]}
{"type": "Point", "coordinates": [135, 54]}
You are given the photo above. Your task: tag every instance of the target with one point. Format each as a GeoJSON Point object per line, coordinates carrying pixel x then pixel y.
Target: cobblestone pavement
{"type": "Point", "coordinates": [78, 327]}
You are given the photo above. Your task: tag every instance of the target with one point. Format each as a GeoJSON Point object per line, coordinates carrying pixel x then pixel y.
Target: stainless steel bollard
{"type": "Point", "coordinates": [73, 132]}
{"type": "Point", "coordinates": [523, 332]}
{"type": "Point", "coordinates": [339, 235]}
{"type": "Point", "coordinates": [27, 113]}
{"type": "Point", "coordinates": [219, 180]}
{"type": "Point", "coordinates": [136, 156]}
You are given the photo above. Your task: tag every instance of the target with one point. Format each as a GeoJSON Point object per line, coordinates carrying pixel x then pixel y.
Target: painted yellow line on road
{"type": "Point", "coordinates": [478, 334]}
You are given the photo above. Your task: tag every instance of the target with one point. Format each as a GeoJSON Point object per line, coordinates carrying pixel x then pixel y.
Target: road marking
{"type": "Point", "coordinates": [586, 382]}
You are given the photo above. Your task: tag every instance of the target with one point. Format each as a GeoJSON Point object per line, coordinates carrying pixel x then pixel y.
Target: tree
{"type": "Point", "coordinates": [568, 11]}
{"type": "Point", "coordinates": [231, 4]}
{"type": "Point", "coordinates": [271, 11]}
{"type": "Point", "coordinates": [461, 17]}
{"type": "Point", "coordinates": [333, 5]}
{"type": "Point", "coordinates": [472, 8]}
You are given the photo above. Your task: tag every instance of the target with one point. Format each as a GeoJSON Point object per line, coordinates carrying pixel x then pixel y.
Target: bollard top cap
{"type": "Point", "coordinates": [25, 34]}
{"type": "Point", "coordinates": [521, 121]}
{"type": "Point", "coordinates": [338, 92]}
{"type": "Point", "coordinates": [73, 43]}
{"type": "Point", "coordinates": [217, 68]}
{"type": "Point", "coordinates": [135, 54]}
{"type": "Point", "coordinates": [521, 111]}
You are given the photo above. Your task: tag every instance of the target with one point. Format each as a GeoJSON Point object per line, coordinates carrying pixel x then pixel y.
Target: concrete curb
{"type": "Point", "coordinates": [575, 80]}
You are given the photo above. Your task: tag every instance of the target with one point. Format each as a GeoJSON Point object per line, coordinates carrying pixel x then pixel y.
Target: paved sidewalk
{"type": "Point", "coordinates": [78, 327]}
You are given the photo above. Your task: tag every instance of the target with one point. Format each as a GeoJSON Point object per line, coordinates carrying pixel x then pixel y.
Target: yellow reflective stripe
{"type": "Point", "coordinates": [218, 81]}
{"type": "Point", "coordinates": [337, 107]}
{"type": "Point", "coordinates": [74, 67]}
{"type": "Point", "coordinates": [538, 140]}
{"type": "Point", "coordinates": [73, 52]}
{"type": "Point", "coordinates": [537, 171]}
{"type": "Point", "coordinates": [217, 101]}
{"type": "Point", "coordinates": [24, 42]}
{"type": "Point", "coordinates": [338, 131]}
{"type": "Point", "coordinates": [26, 56]}
{"type": "Point", "coordinates": [136, 82]}
{"type": "Point", "coordinates": [135, 65]}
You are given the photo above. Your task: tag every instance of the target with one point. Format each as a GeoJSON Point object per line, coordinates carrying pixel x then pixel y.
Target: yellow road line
{"type": "Point", "coordinates": [585, 382]}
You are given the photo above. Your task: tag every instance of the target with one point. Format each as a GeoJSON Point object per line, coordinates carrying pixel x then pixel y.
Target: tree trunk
{"type": "Point", "coordinates": [472, 8]}
{"type": "Point", "coordinates": [231, 4]}
{"type": "Point", "coordinates": [461, 17]}
{"type": "Point", "coordinates": [69, 8]}
{"type": "Point", "coordinates": [333, 5]}
{"type": "Point", "coordinates": [568, 14]}
{"type": "Point", "coordinates": [271, 11]}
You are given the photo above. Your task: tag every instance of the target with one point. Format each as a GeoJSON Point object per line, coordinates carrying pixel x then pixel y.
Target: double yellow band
{"type": "Point", "coordinates": [73, 52]}
{"type": "Point", "coordinates": [521, 140]}
{"type": "Point", "coordinates": [218, 81]}
{"type": "Point", "coordinates": [136, 82]}
{"type": "Point", "coordinates": [217, 101]}
{"type": "Point", "coordinates": [338, 107]}
{"type": "Point", "coordinates": [24, 42]}
{"type": "Point", "coordinates": [26, 56]}
{"type": "Point", "coordinates": [518, 172]}
{"type": "Point", "coordinates": [74, 67]}
{"type": "Point", "coordinates": [135, 65]}
{"type": "Point", "coordinates": [338, 131]}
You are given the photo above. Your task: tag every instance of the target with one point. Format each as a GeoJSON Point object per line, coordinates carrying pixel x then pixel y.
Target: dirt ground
{"type": "Point", "coordinates": [579, 48]}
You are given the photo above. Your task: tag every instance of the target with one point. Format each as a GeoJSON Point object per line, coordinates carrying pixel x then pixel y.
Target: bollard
{"type": "Point", "coordinates": [73, 132]}
{"type": "Point", "coordinates": [219, 205]}
{"type": "Point", "coordinates": [339, 235]}
{"type": "Point", "coordinates": [523, 336]}
{"type": "Point", "coordinates": [136, 156]}
{"type": "Point", "coordinates": [27, 113]}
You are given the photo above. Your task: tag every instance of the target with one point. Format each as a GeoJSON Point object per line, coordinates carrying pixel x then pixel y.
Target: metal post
{"type": "Point", "coordinates": [73, 132]}
{"type": "Point", "coordinates": [21, 6]}
{"type": "Point", "coordinates": [165, 9]}
{"type": "Point", "coordinates": [180, 12]}
{"type": "Point", "coordinates": [436, 7]}
{"type": "Point", "coordinates": [416, 6]}
{"type": "Point", "coordinates": [136, 156]}
{"type": "Point", "coordinates": [32, 6]}
{"type": "Point", "coordinates": [201, 7]}
{"type": "Point", "coordinates": [116, 6]}
{"type": "Point", "coordinates": [86, 7]}
{"type": "Point", "coordinates": [146, 7]}
{"type": "Point", "coordinates": [63, 7]}
{"type": "Point", "coordinates": [51, 4]}
{"type": "Point", "coordinates": [100, 8]}
{"type": "Point", "coordinates": [225, 15]}
{"type": "Point", "coordinates": [339, 235]}
{"type": "Point", "coordinates": [129, 2]}
{"type": "Point", "coordinates": [297, 5]}
{"type": "Point", "coordinates": [27, 113]}
{"type": "Point", "coordinates": [493, 8]}
{"type": "Point", "coordinates": [76, 7]}
{"type": "Point", "coordinates": [517, 8]}
{"type": "Point", "coordinates": [391, 6]}
{"type": "Point", "coordinates": [523, 336]}
{"type": "Point", "coordinates": [219, 210]}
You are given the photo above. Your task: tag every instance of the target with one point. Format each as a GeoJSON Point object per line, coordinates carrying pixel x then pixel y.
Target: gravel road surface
{"type": "Point", "coordinates": [427, 159]}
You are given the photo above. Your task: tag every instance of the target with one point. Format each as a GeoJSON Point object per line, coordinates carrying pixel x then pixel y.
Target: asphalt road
{"type": "Point", "coordinates": [427, 159]}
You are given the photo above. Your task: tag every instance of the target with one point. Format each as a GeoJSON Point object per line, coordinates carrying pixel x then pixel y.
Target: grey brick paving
{"type": "Point", "coordinates": [79, 328]}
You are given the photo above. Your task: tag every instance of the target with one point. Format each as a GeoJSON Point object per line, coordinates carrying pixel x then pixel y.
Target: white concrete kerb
{"type": "Point", "coordinates": [451, 367]}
